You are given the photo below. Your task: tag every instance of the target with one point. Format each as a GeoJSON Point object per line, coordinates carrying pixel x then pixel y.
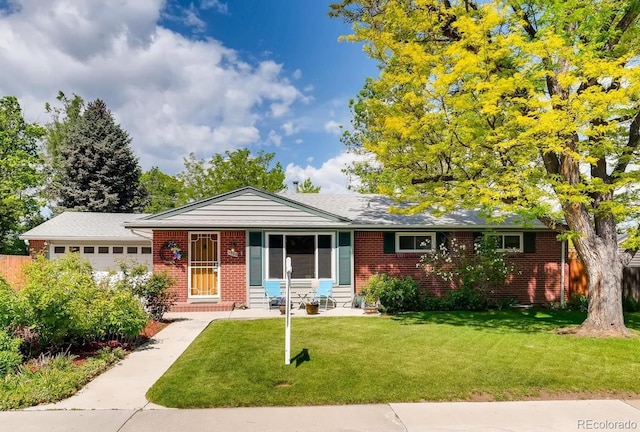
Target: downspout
{"type": "Point", "coordinates": [562, 271]}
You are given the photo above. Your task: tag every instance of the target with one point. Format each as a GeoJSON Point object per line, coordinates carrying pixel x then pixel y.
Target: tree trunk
{"type": "Point", "coordinates": [599, 255]}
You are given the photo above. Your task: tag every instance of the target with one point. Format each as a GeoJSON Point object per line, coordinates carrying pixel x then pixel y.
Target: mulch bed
{"type": "Point", "coordinates": [90, 349]}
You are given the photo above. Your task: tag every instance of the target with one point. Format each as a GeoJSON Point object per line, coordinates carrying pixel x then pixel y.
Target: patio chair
{"type": "Point", "coordinates": [271, 290]}
{"type": "Point", "coordinates": [325, 289]}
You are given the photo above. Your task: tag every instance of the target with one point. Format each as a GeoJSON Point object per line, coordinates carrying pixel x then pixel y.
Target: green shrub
{"type": "Point", "coordinates": [578, 302]}
{"type": "Point", "coordinates": [152, 289]}
{"type": "Point", "coordinates": [125, 315]}
{"type": "Point", "coordinates": [395, 294]}
{"type": "Point", "coordinates": [466, 299]}
{"type": "Point", "coordinates": [10, 357]}
{"type": "Point", "coordinates": [62, 304]}
{"type": "Point", "coordinates": [433, 303]}
{"type": "Point", "coordinates": [56, 299]}
{"type": "Point", "coordinates": [630, 305]}
{"type": "Point", "coordinates": [7, 304]}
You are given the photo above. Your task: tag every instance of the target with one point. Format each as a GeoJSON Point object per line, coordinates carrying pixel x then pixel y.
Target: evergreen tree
{"type": "Point", "coordinates": [98, 170]}
{"type": "Point", "coordinates": [308, 187]}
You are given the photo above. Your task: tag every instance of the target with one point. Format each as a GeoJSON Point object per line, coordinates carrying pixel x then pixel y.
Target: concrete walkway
{"type": "Point", "coordinates": [115, 402]}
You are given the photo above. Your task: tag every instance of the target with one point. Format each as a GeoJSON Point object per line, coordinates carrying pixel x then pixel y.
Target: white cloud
{"type": "Point", "coordinates": [297, 74]}
{"type": "Point", "coordinates": [172, 94]}
{"type": "Point", "coordinates": [216, 5]}
{"type": "Point", "coordinates": [274, 138]}
{"type": "Point", "coordinates": [329, 176]}
{"type": "Point", "coordinates": [289, 129]}
{"type": "Point", "coordinates": [333, 127]}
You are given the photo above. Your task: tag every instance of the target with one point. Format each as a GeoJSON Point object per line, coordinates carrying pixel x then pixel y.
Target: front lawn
{"type": "Point", "coordinates": [429, 356]}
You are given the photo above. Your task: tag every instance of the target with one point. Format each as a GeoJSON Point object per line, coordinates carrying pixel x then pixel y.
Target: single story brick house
{"type": "Point", "coordinates": [220, 250]}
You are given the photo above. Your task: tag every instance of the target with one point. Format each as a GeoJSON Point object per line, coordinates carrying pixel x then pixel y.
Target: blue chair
{"type": "Point", "coordinates": [271, 290]}
{"type": "Point", "coordinates": [325, 289]}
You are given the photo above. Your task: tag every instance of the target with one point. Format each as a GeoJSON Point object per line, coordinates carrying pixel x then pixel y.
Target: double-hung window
{"type": "Point", "coordinates": [312, 255]}
{"type": "Point", "coordinates": [415, 241]}
{"type": "Point", "coordinates": [509, 242]}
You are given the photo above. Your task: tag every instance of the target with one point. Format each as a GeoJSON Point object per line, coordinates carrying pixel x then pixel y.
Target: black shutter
{"type": "Point", "coordinates": [529, 240]}
{"type": "Point", "coordinates": [441, 239]}
{"type": "Point", "coordinates": [389, 242]}
{"type": "Point", "coordinates": [477, 236]}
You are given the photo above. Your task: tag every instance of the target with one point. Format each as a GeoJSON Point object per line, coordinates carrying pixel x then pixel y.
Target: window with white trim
{"type": "Point", "coordinates": [415, 241]}
{"type": "Point", "coordinates": [312, 255]}
{"type": "Point", "coordinates": [509, 242]}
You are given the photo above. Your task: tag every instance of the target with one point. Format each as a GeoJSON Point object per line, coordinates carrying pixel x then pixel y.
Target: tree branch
{"type": "Point", "coordinates": [632, 144]}
{"type": "Point", "coordinates": [627, 20]}
{"type": "Point", "coordinates": [434, 179]}
{"type": "Point", "coordinates": [554, 224]}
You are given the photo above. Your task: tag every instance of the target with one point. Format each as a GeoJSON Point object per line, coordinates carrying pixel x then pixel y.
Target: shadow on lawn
{"type": "Point", "coordinates": [301, 357]}
{"type": "Point", "coordinates": [526, 321]}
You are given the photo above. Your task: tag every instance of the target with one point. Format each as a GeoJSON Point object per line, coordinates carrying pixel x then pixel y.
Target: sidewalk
{"type": "Point", "coordinates": [536, 416]}
{"type": "Point", "coordinates": [115, 402]}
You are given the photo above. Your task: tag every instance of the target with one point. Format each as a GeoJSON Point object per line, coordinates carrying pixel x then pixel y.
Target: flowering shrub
{"type": "Point", "coordinates": [474, 275]}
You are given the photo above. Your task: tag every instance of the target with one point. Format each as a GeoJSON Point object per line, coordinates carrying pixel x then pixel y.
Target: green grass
{"type": "Point", "coordinates": [429, 356]}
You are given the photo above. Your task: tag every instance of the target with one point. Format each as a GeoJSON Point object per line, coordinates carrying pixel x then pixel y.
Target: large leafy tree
{"type": "Point", "coordinates": [63, 119]}
{"type": "Point", "coordinates": [229, 171]}
{"type": "Point", "coordinates": [97, 168]}
{"type": "Point", "coordinates": [20, 174]}
{"type": "Point", "coordinates": [164, 190]}
{"type": "Point", "coordinates": [523, 106]}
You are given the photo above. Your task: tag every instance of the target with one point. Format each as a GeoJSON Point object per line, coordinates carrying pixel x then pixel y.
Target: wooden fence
{"type": "Point", "coordinates": [11, 269]}
{"type": "Point", "coordinates": [578, 280]}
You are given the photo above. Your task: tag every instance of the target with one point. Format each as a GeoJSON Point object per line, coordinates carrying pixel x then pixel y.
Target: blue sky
{"type": "Point", "coordinates": [200, 76]}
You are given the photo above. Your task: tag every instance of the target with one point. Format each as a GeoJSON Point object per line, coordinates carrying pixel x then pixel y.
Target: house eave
{"type": "Point", "coordinates": [131, 239]}
{"type": "Point", "coordinates": [234, 225]}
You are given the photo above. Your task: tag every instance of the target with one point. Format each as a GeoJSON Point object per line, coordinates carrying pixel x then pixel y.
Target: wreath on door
{"type": "Point", "coordinates": [170, 252]}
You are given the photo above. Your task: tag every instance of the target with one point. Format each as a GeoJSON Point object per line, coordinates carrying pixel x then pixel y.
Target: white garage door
{"type": "Point", "coordinates": [106, 256]}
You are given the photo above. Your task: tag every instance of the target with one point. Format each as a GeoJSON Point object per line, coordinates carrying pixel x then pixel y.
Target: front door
{"type": "Point", "coordinates": [204, 265]}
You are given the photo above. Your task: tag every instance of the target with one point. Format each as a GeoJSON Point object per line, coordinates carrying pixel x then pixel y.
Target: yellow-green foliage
{"type": "Point", "coordinates": [501, 104]}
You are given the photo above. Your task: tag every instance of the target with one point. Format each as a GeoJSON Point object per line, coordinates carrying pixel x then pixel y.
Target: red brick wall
{"type": "Point", "coordinates": [369, 259]}
{"type": "Point", "coordinates": [37, 246]}
{"type": "Point", "coordinates": [233, 270]}
{"type": "Point", "coordinates": [178, 271]}
{"type": "Point", "coordinates": [538, 281]}
{"type": "Point", "coordinates": [233, 274]}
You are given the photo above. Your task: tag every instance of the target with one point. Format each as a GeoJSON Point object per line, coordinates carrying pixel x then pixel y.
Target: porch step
{"type": "Point", "coordinates": [223, 306]}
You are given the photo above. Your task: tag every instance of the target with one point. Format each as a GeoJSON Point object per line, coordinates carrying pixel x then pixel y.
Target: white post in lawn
{"type": "Point", "coordinates": [287, 317]}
